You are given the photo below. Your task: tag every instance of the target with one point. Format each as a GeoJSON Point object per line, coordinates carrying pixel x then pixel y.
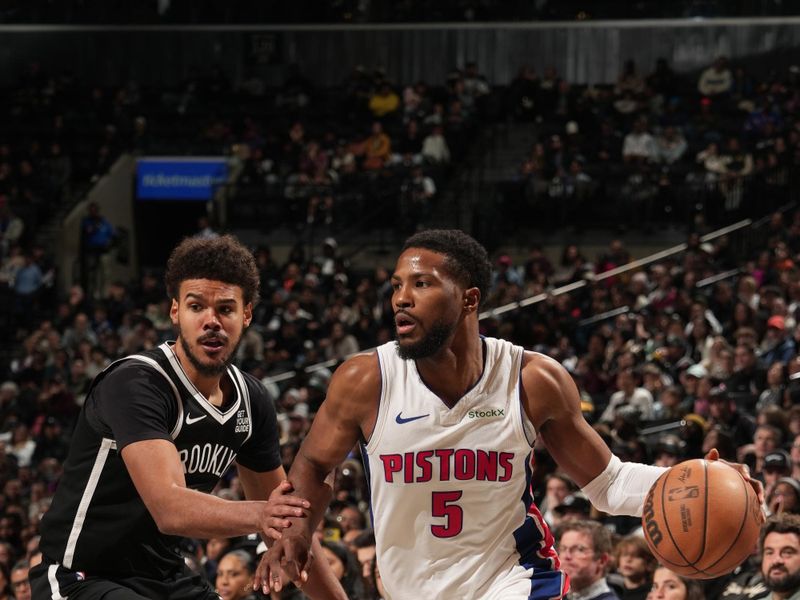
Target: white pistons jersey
{"type": "Point", "coordinates": [450, 487]}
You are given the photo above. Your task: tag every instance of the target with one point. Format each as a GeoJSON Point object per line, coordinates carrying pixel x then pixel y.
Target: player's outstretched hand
{"type": "Point", "coordinates": [281, 506]}
{"type": "Point", "coordinates": [291, 557]}
{"type": "Point", "coordinates": [713, 454]}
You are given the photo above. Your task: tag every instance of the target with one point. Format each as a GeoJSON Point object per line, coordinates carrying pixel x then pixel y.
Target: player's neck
{"type": "Point", "coordinates": [455, 370]}
{"type": "Point", "coordinates": [208, 385]}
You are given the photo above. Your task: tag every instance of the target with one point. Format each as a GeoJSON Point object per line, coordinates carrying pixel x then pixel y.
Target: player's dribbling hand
{"type": "Point", "coordinates": [290, 557]}
{"type": "Point", "coordinates": [281, 506]}
{"type": "Point", "coordinates": [713, 455]}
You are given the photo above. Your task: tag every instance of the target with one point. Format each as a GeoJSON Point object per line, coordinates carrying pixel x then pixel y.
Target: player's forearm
{"type": "Point", "coordinates": [322, 583]}
{"type": "Point", "coordinates": [187, 512]}
{"type": "Point", "coordinates": [310, 481]}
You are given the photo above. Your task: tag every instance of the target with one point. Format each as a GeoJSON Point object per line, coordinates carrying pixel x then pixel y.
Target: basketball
{"type": "Point", "coordinates": [701, 519]}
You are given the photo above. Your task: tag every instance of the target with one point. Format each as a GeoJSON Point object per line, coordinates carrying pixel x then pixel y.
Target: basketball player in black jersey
{"type": "Point", "coordinates": [155, 435]}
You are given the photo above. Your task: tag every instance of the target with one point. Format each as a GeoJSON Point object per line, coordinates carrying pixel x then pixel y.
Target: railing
{"type": "Point", "coordinates": [747, 230]}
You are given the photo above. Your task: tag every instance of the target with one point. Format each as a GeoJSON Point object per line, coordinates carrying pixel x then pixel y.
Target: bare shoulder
{"type": "Point", "coordinates": [355, 385]}
{"type": "Point", "coordinates": [540, 369]}
{"type": "Point", "coordinates": [548, 390]}
{"type": "Point", "coordinates": [356, 373]}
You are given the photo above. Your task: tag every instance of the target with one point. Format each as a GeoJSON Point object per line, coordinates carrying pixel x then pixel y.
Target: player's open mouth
{"type": "Point", "coordinates": [212, 345]}
{"type": "Point", "coordinates": [404, 324]}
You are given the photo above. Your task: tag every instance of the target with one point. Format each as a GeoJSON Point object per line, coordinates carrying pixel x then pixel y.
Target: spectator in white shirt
{"type": "Point", "coordinates": [670, 145]}
{"type": "Point", "coordinates": [434, 147]}
{"type": "Point", "coordinates": [629, 394]}
{"type": "Point", "coordinates": [639, 145]}
{"type": "Point", "coordinates": [716, 79]}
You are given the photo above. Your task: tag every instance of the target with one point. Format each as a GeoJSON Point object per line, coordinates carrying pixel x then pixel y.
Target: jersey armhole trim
{"type": "Point", "coordinates": [176, 429]}
{"type": "Point", "coordinates": [244, 393]}
{"type": "Point", "coordinates": [527, 429]}
{"type": "Point", "coordinates": [380, 414]}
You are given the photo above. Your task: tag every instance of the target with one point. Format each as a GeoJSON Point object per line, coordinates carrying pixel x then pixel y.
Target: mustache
{"type": "Point", "coordinates": [213, 337]}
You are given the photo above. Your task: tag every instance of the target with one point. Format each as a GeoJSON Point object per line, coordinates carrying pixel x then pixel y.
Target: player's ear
{"type": "Point", "coordinates": [472, 298]}
{"type": "Point", "coordinates": [248, 314]}
{"type": "Point", "coordinates": [173, 312]}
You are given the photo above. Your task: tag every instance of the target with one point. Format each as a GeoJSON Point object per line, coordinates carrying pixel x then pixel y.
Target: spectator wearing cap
{"type": "Point", "coordinates": [629, 394]}
{"type": "Point", "coordinates": [298, 422]}
{"type": "Point", "coordinates": [777, 464]}
{"type": "Point", "coordinates": [785, 496]}
{"type": "Point", "coordinates": [668, 451]}
{"type": "Point", "coordinates": [776, 345]}
{"type": "Point", "coordinates": [691, 379]}
{"type": "Point", "coordinates": [724, 413]}
{"type": "Point", "coordinates": [573, 508]}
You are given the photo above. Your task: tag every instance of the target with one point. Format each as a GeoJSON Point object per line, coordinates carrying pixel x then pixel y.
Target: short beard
{"type": "Point", "coordinates": [429, 345]}
{"type": "Point", "coordinates": [788, 583]}
{"type": "Point", "coordinates": [204, 369]}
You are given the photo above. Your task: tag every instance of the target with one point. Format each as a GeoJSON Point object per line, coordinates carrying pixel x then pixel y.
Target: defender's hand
{"type": "Point", "coordinates": [277, 510]}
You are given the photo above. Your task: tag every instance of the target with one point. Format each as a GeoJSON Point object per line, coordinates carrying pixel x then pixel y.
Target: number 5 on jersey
{"type": "Point", "coordinates": [442, 506]}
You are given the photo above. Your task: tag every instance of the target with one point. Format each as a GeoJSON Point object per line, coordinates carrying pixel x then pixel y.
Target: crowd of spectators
{"type": "Point", "coordinates": [370, 153]}
{"type": "Point", "coordinates": [681, 364]}
{"type": "Point", "coordinates": [711, 365]}
{"type": "Point", "coordinates": [657, 147]}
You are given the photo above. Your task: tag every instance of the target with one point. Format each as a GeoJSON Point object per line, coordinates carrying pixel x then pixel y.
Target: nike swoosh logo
{"type": "Point", "coordinates": [190, 419]}
{"type": "Point", "coordinates": [400, 420]}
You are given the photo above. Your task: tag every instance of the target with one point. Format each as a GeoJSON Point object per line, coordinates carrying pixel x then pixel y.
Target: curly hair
{"type": "Point", "coordinates": [466, 260]}
{"type": "Point", "coordinates": [221, 258]}
{"type": "Point", "coordinates": [782, 523]}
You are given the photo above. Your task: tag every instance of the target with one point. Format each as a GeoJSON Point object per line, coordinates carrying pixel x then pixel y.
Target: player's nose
{"type": "Point", "coordinates": [402, 299]}
{"type": "Point", "coordinates": [212, 321]}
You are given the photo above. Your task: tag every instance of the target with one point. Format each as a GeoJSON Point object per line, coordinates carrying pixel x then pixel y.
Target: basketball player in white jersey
{"type": "Point", "coordinates": [447, 419]}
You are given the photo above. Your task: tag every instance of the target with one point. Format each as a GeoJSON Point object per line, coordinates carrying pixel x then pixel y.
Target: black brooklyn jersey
{"type": "Point", "coordinates": [97, 522]}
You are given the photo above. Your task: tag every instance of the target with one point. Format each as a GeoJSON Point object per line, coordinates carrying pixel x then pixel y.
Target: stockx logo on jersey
{"type": "Point", "coordinates": [487, 413]}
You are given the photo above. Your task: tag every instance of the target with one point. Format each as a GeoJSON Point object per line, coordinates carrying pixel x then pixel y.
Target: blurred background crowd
{"type": "Point", "coordinates": [673, 353]}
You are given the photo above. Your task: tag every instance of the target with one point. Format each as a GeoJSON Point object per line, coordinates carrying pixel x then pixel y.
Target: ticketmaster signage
{"type": "Point", "coordinates": [179, 178]}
